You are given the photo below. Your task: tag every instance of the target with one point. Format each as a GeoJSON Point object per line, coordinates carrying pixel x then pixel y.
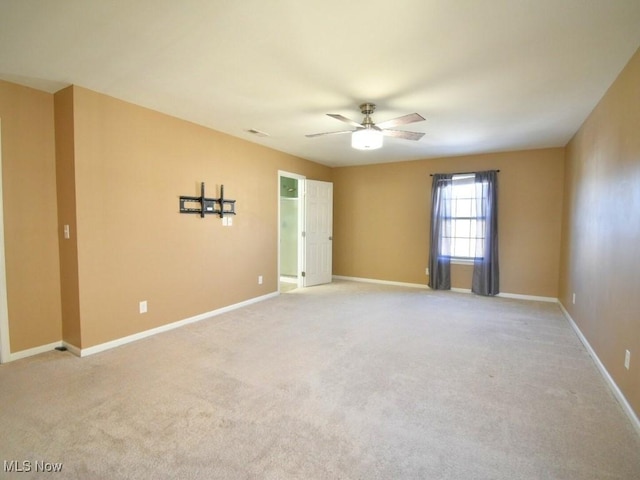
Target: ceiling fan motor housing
{"type": "Point", "coordinates": [367, 109]}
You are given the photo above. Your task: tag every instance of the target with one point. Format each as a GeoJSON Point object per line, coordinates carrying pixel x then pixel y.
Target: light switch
{"type": "Point", "coordinates": [67, 234]}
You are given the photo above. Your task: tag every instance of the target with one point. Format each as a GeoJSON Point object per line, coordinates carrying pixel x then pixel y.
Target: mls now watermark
{"type": "Point", "coordinates": [25, 466]}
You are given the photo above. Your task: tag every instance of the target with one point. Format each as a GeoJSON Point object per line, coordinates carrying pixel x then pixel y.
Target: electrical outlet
{"type": "Point", "coordinates": [573, 299]}
{"type": "Point", "coordinates": [67, 232]}
{"type": "Point", "coordinates": [426, 271]}
{"type": "Point", "coordinates": [143, 306]}
{"type": "Point", "coordinates": [627, 359]}
{"type": "Point", "coordinates": [259, 279]}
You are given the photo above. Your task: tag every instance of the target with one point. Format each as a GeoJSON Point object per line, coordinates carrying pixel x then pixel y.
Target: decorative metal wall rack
{"type": "Point", "coordinates": [205, 206]}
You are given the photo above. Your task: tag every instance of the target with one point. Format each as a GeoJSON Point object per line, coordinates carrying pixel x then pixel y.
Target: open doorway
{"type": "Point", "coordinates": [290, 187]}
{"type": "Point", "coordinates": [305, 224]}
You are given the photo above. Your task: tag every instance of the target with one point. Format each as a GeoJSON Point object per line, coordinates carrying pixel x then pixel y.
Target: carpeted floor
{"type": "Point", "coordinates": [342, 381]}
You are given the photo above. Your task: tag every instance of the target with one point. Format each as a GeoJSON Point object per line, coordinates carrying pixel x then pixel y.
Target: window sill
{"type": "Point", "coordinates": [462, 261]}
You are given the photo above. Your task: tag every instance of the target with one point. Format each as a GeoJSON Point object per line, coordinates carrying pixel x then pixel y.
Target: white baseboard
{"type": "Point", "coordinates": [458, 290]}
{"type": "Point", "coordinates": [612, 384]}
{"type": "Point", "coordinates": [72, 348]}
{"type": "Point", "coordinates": [33, 351]}
{"type": "Point", "coordinates": [382, 282]}
{"type": "Point", "coordinates": [534, 298]}
{"type": "Point", "coordinates": [170, 326]}
{"type": "Point", "coordinates": [517, 296]}
{"type": "Point", "coordinates": [83, 352]}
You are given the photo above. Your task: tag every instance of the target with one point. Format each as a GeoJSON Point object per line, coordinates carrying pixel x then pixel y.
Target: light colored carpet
{"type": "Point", "coordinates": [287, 287]}
{"type": "Point", "coordinates": [342, 381]}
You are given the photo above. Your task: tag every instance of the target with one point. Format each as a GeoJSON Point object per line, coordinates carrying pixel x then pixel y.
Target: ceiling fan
{"type": "Point", "coordinates": [368, 135]}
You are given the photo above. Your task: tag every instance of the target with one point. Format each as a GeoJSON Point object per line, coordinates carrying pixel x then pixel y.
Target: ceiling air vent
{"type": "Point", "coordinates": [257, 132]}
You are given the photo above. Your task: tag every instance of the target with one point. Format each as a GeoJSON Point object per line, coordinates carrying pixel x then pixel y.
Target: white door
{"type": "Point", "coordinates": [318, 232]}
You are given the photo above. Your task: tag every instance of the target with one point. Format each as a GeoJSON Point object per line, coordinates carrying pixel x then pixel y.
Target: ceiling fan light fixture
{"type": "Point", "coordinates": [366, 139]}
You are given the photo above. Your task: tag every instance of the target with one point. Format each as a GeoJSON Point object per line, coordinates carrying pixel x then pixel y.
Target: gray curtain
{"type": "Point", "coordinates": [486, 273]}
{"type": "Point", "coordinates": [439, 249]}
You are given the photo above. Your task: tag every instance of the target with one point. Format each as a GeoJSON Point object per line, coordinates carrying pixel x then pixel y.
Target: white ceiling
{"type": "Point", "coordinates": [488, 75]}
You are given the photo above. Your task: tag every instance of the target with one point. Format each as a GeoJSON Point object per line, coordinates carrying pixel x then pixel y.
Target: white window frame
{"type": "Point", "coordinates": [462, 260]}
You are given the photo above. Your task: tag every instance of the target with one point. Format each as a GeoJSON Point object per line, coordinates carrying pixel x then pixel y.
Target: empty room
{"type": "Point", "coordinates": [320, 240]}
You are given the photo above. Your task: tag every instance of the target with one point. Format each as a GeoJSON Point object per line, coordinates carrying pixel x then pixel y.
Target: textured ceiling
{"type": "Point", "coordinates": [488, 76]}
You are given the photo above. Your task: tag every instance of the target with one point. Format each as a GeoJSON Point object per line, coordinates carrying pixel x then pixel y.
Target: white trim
{"type": "Point", "coordinates": [457, 290]}
{"type": "Point", "coordinates": [164, 328]}
{"type": "Point", "coordinates": [72, 348]}
{"type": "Point", "coordinates": [461, 290]}
{"type": "Point", "coordinates": [462, 261]}
{"type": "Point", "coordinates": [136, 336]}
{"type": "Point", "coordinates": [635, 421]}
{"type": "Point", "coordinates": [382, 282]}
{"type": "Point", "coordinates": [528, 297]}
{"type": "Point", "coordinates": [517, 296]}
{"type": "Point", "coordinates": [34, 351]}
{"type": "Point", "coordinates": [5, 344]}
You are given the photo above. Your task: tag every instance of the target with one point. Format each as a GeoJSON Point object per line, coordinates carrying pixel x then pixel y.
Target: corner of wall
{"type": "Point", "coordinates": [66, 198]}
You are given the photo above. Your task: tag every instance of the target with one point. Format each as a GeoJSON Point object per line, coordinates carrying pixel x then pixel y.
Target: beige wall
{"type": "Point", "coordinates": [66, 195]}
{"type": "Point", "coordinates": [601, 231]}
{"type": "Point", "coordinates": [381, 219]}
{"type": "Point", "coordinates": [30, 227]}
{"type": "Point", "coordinates": [130, 165]}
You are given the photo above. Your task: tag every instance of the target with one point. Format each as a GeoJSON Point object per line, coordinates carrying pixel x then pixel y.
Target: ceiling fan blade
{"type": "Point", "coordinates": [403, 134]}
{"type": "Point", "coordinates": [327, 133]}
{"type": "Point", "coordinates": [345, 120]}
{"type": "Point", "coordinates": [410, 118]}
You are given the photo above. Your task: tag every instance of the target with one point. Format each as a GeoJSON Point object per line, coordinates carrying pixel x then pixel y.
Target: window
{"type": "Point", "coordinates": [465, 232]}
{"type": "Point", "coordinates": [464, 227]}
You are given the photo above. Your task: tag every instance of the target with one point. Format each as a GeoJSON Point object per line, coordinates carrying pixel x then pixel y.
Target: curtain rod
{"type": "Point", "coordinates": [459, 173]}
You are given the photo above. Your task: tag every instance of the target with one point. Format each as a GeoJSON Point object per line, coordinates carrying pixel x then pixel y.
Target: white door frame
{"type": "Point", "coordinates": [301, 188]}
{"type": "Point", "coordinates": [5, 345]}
